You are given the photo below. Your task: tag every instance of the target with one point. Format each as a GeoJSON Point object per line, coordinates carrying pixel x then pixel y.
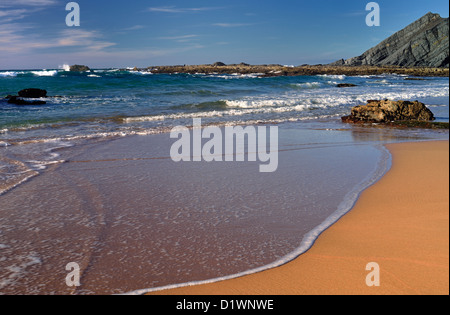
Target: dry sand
{"type": "Point", "coordinates": [401, 223]}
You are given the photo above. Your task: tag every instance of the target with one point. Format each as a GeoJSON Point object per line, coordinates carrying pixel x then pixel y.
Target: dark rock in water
{"type": "Point", "coordinates": [20, 101]}
{"type": "Point", "coordinates": [388, 111]}
{"type": "Point", "coordinates": [33, 93]}
{"type": "Point", "coordinates": [424, 43]}
{"type": "Point", "coordinates": [344, 85]}
{"type": "Point", "coordinates": [219, 64]}
{"type": "Point", "coordinates": [79, 68]}
{"type": "Point", "coordinates": [414, 79]}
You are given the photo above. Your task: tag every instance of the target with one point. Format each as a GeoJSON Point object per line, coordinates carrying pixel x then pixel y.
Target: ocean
{"type": "Point", "coordinates": [109, 102]}
{"type": "Point", "coordinates": [88, 178]}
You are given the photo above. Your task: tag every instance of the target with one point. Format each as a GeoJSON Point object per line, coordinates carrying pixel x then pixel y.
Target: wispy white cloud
{"type": "Point", "coordinates": [90, 40]}
{"type": "Point", "coordinates": [134, 28]}
{"type": "Point", "coordinates": [182, 38]}
{"type": "Point", "coordinates": [12, 10]}
{"type": "Point", "coordinates": [173, 9]}
{"type": "Point", "coordinates": [32, 3]}
{"type": "Point", "coordinates": [4, 13]}
{"type": "Point", "coordinates": [20, 38]}
{"type": "Point", "coordinates": [8, 16]}
{"type": "Point", "coordinates": [232, 24]}
{"type": "Point", "coordinates": [14, 39]}
{"type": "Point", "coordinates": [179, 37]}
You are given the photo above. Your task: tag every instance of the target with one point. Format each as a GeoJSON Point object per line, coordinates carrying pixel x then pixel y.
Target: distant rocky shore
{"type": "Point", "coordinates": [420, 49]}
{"type": "Point", "coordinates": [280, 70]}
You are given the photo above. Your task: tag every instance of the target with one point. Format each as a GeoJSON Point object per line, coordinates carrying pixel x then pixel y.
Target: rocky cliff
{"type": "Point", "coordinates": [424, 43]}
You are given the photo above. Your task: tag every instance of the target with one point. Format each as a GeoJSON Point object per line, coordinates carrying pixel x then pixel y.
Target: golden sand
{"type": "Point", "coordinates": [401, 223]}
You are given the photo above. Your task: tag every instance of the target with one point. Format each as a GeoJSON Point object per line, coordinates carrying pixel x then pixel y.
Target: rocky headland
{"type": "Point", "coordinates": [423, 43]}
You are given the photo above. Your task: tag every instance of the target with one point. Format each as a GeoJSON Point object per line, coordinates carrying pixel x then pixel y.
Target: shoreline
{"type": "Point", "coordinates": [304, 70]}
{"type": "Point", "coordinates": [413, 259]}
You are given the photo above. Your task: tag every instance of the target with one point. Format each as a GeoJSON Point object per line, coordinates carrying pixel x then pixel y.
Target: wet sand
{"type": "Point", "coordinates": [132, 218]}
{"type": "Point", "coordinates": [401, 223]}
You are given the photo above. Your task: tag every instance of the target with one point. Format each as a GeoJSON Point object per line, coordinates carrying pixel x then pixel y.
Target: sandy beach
{"type": "Point", "coordinates": [401, 223]}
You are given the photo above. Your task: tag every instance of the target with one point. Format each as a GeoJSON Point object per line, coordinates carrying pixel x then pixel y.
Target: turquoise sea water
{"type": "Point", "coordinates": [102, 102]}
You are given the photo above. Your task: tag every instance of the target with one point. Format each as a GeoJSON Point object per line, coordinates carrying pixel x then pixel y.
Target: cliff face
{"type": "Point", "coordinates": [424, 43]}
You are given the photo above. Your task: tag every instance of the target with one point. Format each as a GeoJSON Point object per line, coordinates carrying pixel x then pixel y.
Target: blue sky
{"type": "Point", "coordinates": [33, 33]}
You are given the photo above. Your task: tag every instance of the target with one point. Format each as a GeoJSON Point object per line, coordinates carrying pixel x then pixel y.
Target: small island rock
{"type": "Point", "coordinates": [79, 68]}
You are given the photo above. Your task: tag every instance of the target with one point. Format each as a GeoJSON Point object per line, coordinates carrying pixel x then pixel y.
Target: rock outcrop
{"type": "Point", "coordinates": [388, 111]}
{"type": "Point", "coordinates": [424, 43]}
{"type": "Point", "coordinates": [79, 68]}
{"type": "Point", "coordinates": [33, 93]}
{"type": "Point", "coordinates": [27, 93]}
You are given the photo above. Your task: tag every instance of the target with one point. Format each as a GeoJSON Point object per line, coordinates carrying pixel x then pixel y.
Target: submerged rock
{"type": "Point", "coordinates": [33, 93]}
{"type": "Point", "coordinates": [20, 101]}
{"type": "Point", "coordinates": [344, 85]}
{"type": "Point", "coordinates": [388, 111]}
{"type": "Point", "coordinates": [27, 93]}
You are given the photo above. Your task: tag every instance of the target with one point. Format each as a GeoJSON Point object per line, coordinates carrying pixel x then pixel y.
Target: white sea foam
{"type": "Point", "coordinates": [19, 270]}
{"type": "Point", "coordinates": [65, 67]}
{"type": "Point", "coordinates": [45, 73]}
{"type": "Point", "coordinates": [8, 74]}
{"type": "Point", "coordinates": [297, 103]}
{"type": "Point", "coordinates": [42, 165]}
{"type": "Point", "coordinates": [23, 180]}
{"type": "Point", "coordinates": [94, 76]}
{"type": "Point", "coordinates": [237, 76]}
{"type": "Point", "coordinates": [307, 85]}
{"type": "Point", "coordinates": [255, 103]}
{"type": "Point", "coordinates": [231, 112]}
{"type": "Point", "coordinates": [333, 76]}
{"type": "Point", "coordinates": [141, 72]}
